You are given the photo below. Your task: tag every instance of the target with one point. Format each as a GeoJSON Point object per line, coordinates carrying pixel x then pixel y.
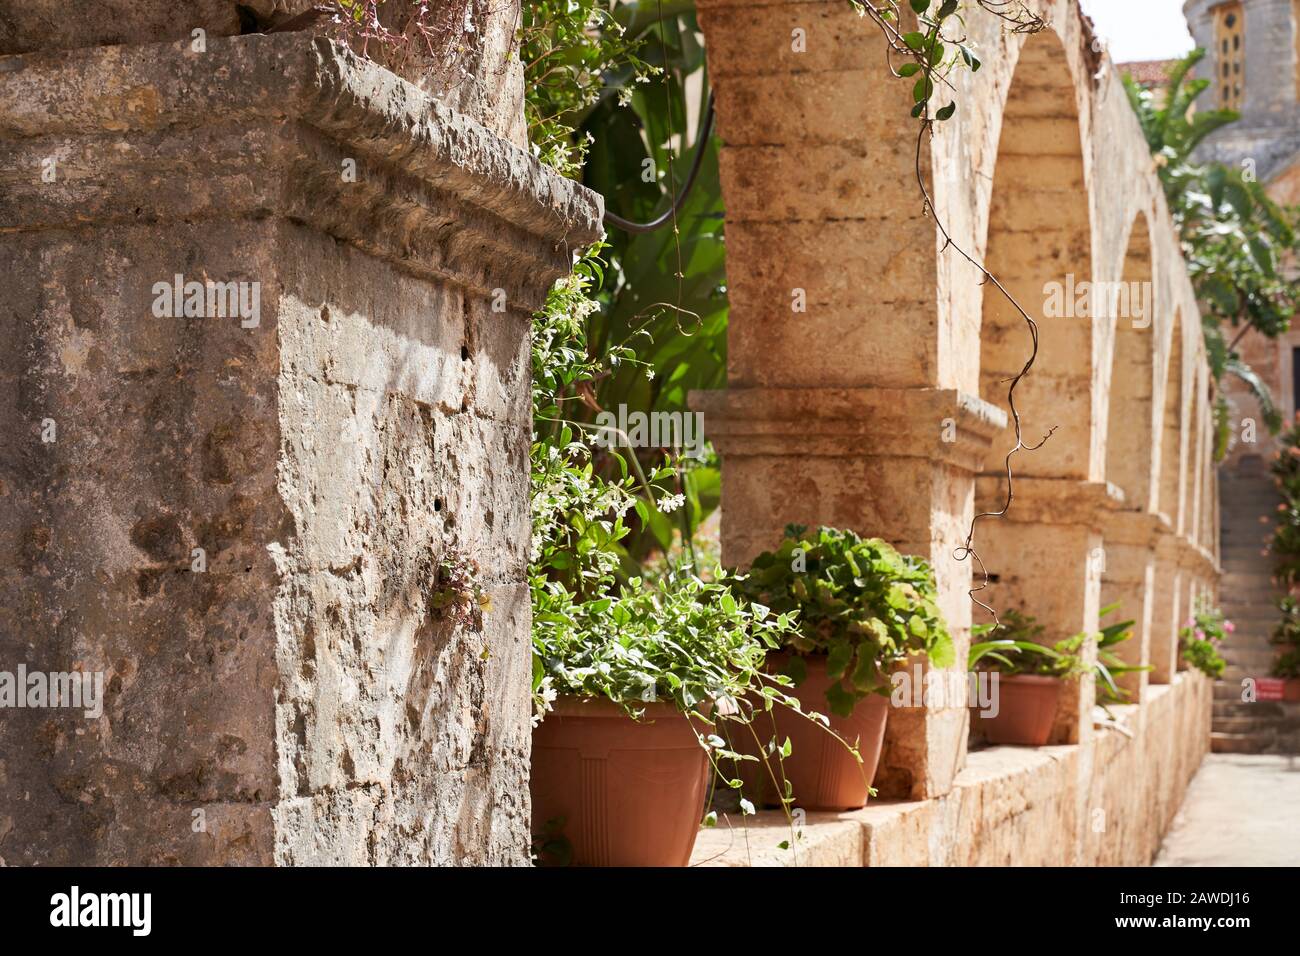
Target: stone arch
{"type": "Point", "coordinates": [1129, 451]}
{"type": "Point", "coordinates": [1039, 244]}
{"type": "Point", "coordinates": [1169, 495]}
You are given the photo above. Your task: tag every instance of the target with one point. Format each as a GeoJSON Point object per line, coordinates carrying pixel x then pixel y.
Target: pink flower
{"type": "Point", "coordinates": [1229, 627]}
{"type": "Point", "coordinates": [1200, 635]}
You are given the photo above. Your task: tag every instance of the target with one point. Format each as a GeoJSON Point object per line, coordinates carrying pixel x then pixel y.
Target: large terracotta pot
{"type": "Point", "coordinates": [1026, 710]}
{"type": "Point", "coordinates": [630, 792]}
{"type": "Point", "coordinates": [822, 773]}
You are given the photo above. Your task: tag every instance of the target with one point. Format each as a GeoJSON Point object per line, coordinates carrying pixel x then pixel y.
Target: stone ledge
{"type": "Point", "coordinates": [994, 798]}
{"type": "Point", "coordinates": [156, 132]}
{"type": "Point", "coordinates": [850, 422]}
{"type": "Point", "coordinates": [845, 839]}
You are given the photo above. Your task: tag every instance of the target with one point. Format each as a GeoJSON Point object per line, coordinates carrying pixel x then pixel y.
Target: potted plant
{"type": "Point", "coordinates": [1200, 638]}
{"type": "Point", "coordinates": [1029, 677]}
{"type": "Point", "coordinates": [633, 693]}
{"type": "Point", "coordinates": [1287, 638]}
{"type": "Point", "coordinates": [860, 608]}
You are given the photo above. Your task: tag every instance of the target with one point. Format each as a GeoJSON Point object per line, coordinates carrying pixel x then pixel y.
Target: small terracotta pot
{"type": "Point", "coordinates": [1291, 690]}
{"type": "Point", "coordinates": [822, 773]}
{"type": "Point", "coordinates": [630, 792]}
{"type": "Point", "coordinates": [1026, 710]}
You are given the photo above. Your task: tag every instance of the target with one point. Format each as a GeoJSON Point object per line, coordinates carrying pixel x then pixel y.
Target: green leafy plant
{"type": "Point", "coordinates": [1286, 637]}
{"type": "Point", "coordinates": [1019, 649]}
{"type": "Point", "coordinates": [680, 638]}
{"type": "Point", "coordinates": [1235, 239]}
{"type": "Point", "coordinates": [857, 600]}
{"type": "Point", "coordinates": [1109, 664]}
{"type": "Point", "coordinates": [1200, 638]}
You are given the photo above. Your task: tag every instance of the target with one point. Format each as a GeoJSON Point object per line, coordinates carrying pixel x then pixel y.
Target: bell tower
{"type": "Point", "coordinates": [1253, 64]}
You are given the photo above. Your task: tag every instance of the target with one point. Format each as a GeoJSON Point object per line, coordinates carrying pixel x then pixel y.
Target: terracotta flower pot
{"type": "Point", "coordinates": [1026, 710]}
{"type": "Point", "coordinates": [630, 792]}
{"type": "Point", "coordinates": [822, 773]}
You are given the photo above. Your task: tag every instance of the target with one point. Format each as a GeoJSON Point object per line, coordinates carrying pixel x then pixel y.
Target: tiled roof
{"type": "Point", "coordinates": [1147, 72]}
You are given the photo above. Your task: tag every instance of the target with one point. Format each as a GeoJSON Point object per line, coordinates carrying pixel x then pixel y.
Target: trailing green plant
{"type": "Point", "coordinates": [1286, 637]}
{"type": "Point", "coordinates": [858, 602]}
{"type": "Point", "coordinates": [571, 51]}
{"type": "Point", "coordinates": [1201, 637]}
{"type": "Point", "coordinates": [1234, 237]}
{"type": "Point", "coordinates": [681, 639]}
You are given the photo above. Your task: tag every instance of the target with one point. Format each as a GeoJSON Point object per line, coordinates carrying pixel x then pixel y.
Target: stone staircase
{"type": "Point", "coordinates": [1248, 502]}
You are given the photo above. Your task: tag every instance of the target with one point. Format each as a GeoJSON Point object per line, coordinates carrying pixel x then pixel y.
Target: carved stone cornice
{"type": "Point", "coordinates": [262, 126]}
{"type": "Point", "coordinates": [1063, 501]}
{"type": "Point", "coordinates": [1137, 528]}
{"type": "Point", "coordinates": [930, 423]}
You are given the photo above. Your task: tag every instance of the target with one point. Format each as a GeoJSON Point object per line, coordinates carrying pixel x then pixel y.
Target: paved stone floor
{"type": "Point", "coordinates": [1241, 810]}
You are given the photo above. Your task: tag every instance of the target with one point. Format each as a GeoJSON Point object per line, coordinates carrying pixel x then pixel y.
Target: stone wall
{"type": "Point", "coordinates": [248, 523]}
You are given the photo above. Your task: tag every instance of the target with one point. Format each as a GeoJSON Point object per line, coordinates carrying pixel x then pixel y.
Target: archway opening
{"type": "Point", "coordinates": [1129, 448]}
{"type": "Point", "coordinates": [1039, 246]}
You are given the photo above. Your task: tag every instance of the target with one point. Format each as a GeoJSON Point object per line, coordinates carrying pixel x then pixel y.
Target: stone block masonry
{"type": "Point", "coordinates": [880, 404]}
{"type": "Point", "coordinates": [248, 527]}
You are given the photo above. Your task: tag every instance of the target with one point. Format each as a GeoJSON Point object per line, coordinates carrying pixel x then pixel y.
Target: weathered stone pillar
{"type": "Point", "coordinates": [264, 518]}
{"type": "Point", "coordinates": [1168, 610]}
{"type": "Point", "coordinates": [844, 404]}
{"type": "Point", "coordinates": [1046, 558]}
{"type": "Point", "coordinates": [1128, 578]}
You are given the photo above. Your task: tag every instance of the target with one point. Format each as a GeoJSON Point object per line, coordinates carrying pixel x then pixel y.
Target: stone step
{"type": "Point", "coordinates": [1246, 557]}
{"type": "Point", "coordinates": [1243, 725]}
{"type": "Point", "coordinates": [1256, 658]}
{"type": "Point", "coordinates": [1256, 610]}
{"type": "Point", "coordinates": [1255, 584]}
{"type": "Point", "coordinates": [1237, 674]}
{"type": "Point", "coordinates": [1253, 617]}
{"type": "Point", "coordinates": [1236, 707]}
{"type": "Point", "coordinates": [1257, 742]}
